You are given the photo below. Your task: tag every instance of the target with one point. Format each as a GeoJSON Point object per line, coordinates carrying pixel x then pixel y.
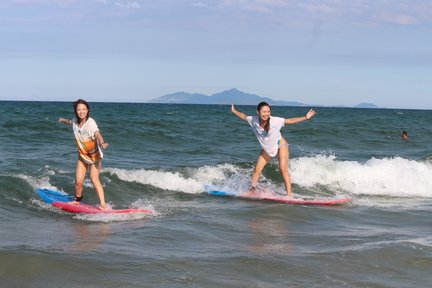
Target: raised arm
{"type": "Point", "coordinates": [241, 115]}
{"type": "Point", "coordinates": [295, 120]}
{"type": "Point", "coordinates": [65, 121]}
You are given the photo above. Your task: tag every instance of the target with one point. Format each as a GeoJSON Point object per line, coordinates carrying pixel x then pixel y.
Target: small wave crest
{"type": "Point", "coordinates": [192, 180]}
{"type": "Point", "coordinates": [106, 218]}
{"type": "Point", "coordinates": [395, 177]}
{"type": "Point", "coordinates": [43, 182]}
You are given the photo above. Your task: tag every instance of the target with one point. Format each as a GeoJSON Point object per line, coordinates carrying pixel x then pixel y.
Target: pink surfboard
{"type": "Point", "coordinates": [278, 199]}
{"type": "Point", "coordinates": [88, 209]}
{"type": "Point", "coordinates": [299, 201]}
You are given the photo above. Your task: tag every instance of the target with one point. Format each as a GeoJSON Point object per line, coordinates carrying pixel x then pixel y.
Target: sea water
{"type": "Point", "coordinates": [162, 156]}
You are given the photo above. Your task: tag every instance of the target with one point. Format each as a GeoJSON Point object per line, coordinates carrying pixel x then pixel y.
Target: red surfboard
{"type": "Point", "coordinates": [89, 209]}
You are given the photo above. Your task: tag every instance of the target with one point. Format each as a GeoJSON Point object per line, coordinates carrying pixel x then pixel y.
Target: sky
{"type": "Point", "coordinates": [318, 52]}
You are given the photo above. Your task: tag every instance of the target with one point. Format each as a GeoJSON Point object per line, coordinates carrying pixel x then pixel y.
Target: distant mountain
{"type": "Point", "coordinates": [182, 98]}
{"type": "Point", "coordinates": [366, 105]}
{"type": "Point", "coordinates": [233, 96]}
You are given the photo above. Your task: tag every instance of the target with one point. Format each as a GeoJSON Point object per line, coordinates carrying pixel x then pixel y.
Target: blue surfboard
{"type": "Point", "coordinates": [49, 196]}
{"type": "Point", "coordinates": [220, 193]}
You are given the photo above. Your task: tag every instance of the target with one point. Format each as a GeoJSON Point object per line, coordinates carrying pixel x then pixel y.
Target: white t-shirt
{"type": "Point", "coordinates": [86, 132]}
{"type": "Point", "coordinates": [269, 141]}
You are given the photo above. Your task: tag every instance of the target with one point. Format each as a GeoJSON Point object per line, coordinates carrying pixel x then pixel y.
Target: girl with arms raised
{"type": "Point", "coordinates": [267, 130]}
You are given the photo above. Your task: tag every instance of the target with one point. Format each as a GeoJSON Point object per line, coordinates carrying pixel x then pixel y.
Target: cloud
{"type": "Point", "coordinates": [230, 13]}
{"type": "Point", "coordinates": [200, 4]}
{"type": "Point", "coordinates": [259, 6]}
{"type": "Point", "coordinates": [403, 12]}
{"type": "Point", "coordinates": [396, 19]}
{"type": "Point", "coordinates": [317, 8]}
{"type": "Point", "coordinates": [128, 5]}
{"type": "Point", "coordinates": [40, 3]}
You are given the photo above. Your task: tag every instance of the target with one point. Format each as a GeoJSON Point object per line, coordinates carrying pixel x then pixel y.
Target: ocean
{"type": "Point", "coordinates": [161, 156]}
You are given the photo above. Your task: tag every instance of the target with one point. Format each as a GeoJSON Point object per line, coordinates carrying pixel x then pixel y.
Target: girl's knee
{"type": "Point", "coordinates": [94, 179]}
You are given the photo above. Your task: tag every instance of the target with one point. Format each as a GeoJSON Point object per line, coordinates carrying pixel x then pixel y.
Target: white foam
{"type": "Point", "coordinates": [192, 181]}
{"type": "Point", "coordinates": [159, 179]}
{"type": "Point", "coordinates": [391, 177]}
{"type": "Point", "coordinates": [43, 182]}
{"type": "Point", "coordinates": [396, 177]}
{"type": "Point", "coordinates": [105, 217]}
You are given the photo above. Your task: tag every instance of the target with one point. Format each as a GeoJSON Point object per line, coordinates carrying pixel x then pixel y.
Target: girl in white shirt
{"type": "Point", "coordinates": [90, 144]}
{"type": "Point", "coordinates": [267, 130]}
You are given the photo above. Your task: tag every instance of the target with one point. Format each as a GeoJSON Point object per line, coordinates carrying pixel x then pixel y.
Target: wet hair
{"type": "Point", "coordinates": [267, 124]}
{"type": "Point", "coordinates": [75, 106]}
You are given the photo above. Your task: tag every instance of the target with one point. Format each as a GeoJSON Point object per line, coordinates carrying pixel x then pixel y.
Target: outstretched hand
{"type": "Point", "coordinates": [310, 114]}
{"type": "Point", "coordinates": [104, 145]}
{"type": "Point", "coordinates": [64, 121]}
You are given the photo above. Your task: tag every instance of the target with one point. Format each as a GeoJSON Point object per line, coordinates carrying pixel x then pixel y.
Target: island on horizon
{"type": "Point", "coordinates": [234, 96]}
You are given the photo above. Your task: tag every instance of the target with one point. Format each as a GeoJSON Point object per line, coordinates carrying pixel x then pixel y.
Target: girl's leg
{"type": "Point", "coordinates": [263, 159]}
{"type": "Point", "coordinates": [80, 172]}
{"type": "Point", "coordinates": [283, 157]}
{"type": "Point", "coordinates": [94, 176]}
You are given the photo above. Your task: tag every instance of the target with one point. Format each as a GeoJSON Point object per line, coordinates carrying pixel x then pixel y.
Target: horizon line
{"type": "Point", "coordinates": [222, 104]}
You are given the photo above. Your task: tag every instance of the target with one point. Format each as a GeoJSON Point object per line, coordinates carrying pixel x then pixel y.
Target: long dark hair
{"type": "Point", "coordinates": [75, 105]}
{"type": "Point", "coordinates": [267, 124]}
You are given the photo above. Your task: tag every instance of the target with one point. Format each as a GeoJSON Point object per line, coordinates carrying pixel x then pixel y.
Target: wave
{"type": "Point", "coordinates": [391, 177]}
{"type": "Point", "coordinates": [44, 181]}
{"type": "Point", "coordinates": [311, 175]}
{"type": "Point", "coordinates": [189, 181]}
{"type": "Point", "coordinates": [396, 177]}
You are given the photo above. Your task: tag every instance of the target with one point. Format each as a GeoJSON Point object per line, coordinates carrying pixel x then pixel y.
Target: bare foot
{"type": "Point", "coordinates": [252, 192]}
{"type": "Point", "coordinates": [102, 207]}
{"type": "Point", "coordinates": [74, 202]}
